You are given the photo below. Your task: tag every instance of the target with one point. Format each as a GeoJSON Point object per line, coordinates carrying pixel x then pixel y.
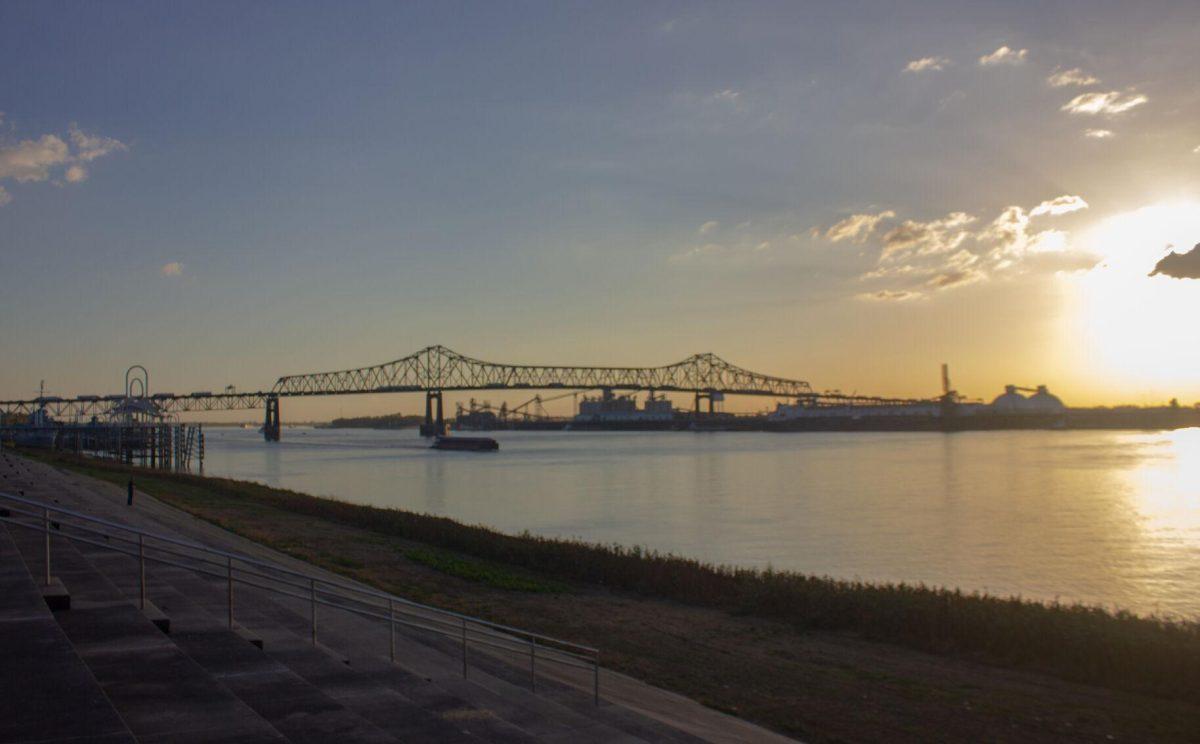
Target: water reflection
{"type": "Point", "coordinates": [1102, 517]}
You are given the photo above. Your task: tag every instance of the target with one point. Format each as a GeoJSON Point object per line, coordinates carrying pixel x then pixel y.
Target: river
{"type": "Point", "coordinates": [1109, 518]}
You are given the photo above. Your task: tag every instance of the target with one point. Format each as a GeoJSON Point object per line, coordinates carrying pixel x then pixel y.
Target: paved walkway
{"type": "Point", "coordinates": [651, 714]}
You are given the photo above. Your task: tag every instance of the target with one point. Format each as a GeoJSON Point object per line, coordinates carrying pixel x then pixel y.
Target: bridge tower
{"type": "Point", "coordinates": [433, 426]}
{"type": "Point", "coordinates": [271, 424]}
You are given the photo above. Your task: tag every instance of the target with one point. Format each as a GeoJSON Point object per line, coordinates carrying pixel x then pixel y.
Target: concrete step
{"type": "Point", "coordinates": [49, 693]}
{"type": "Point", "coordinates": [199, 604]}
{"type": "Point", "coordinates": [429, 666]}
{"type": "Point", "coordinates": [161, 693]}
{"type": "Point", "coordinates": [286, 636]}
{"type": "Point", "coordinates": [296, 708]}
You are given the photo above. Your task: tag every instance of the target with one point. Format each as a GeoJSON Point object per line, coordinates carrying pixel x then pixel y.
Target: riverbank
{"type": "Point", "coordinates": [812, 657]}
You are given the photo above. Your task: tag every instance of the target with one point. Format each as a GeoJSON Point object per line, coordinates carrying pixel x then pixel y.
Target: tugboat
{"type": "Point", "coordinates": [466, 444]}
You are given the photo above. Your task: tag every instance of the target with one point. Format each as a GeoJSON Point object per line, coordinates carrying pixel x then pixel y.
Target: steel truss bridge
{"type": "Point", "coordinates": [436, 369]}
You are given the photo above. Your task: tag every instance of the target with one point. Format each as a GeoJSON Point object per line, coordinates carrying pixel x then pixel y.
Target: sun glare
{"type": "Point", "coordinates": [1137, 332]}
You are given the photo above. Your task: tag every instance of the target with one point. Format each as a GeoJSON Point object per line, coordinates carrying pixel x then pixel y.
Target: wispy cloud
{"type": "Point", "coordinates": [1098, 133]}
{"type": "Point", "coordinates": [1059, 205]}
{"type": "Point", "coordinates": [5, 197]}
{"type": "Point", "coordinates": [727, 96]}
{"type": "Point", "coordinates": [708, 227]}
{"type": "Point", "coordinates": [1112, 102]}
{"type": "Point", "coordinates": [925, 64]}
{"type": "Point", "coordinates": [1074, 76]}
{"type": "Point", "coordinates": [857, 227]}
{"type": "Point", "coordinates": [926, 238]}
{"type": "Point", "coordinates": [890, 295]}
{"type": "Point", "coordinates": [954, 278]}
{"type": "Point", "coordinates": [174, 268]}
{"type": "Point", "coordinates": [918, 258]}
{"type": "Point", "coordinates": [1004, 56]}
{"type": "Point", "coordinates": [88, 147]}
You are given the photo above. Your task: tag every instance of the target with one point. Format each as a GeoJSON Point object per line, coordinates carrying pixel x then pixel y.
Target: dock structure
{"type": "Point", "coordinates": [170, 446]}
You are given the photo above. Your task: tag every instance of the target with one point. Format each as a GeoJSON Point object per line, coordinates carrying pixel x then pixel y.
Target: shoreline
{"type": "Point", "coordinates": [1126, 654]}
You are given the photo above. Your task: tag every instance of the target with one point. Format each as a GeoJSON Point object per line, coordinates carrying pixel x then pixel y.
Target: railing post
{"type": "Point", "coordinates": [464, 644]}
{"type": "Point", "coordinates": [312, 595]}
{"type": "Point", "coordinates": [229, 576]}
{"type": "Point", "coordinates": [392, 630]}
{"type": "Point", "coordinates": [141, 571]}
{"type": "Point", "coordinates": [533, 665]}
{"type": "Point", "coordinates": [46, 529]}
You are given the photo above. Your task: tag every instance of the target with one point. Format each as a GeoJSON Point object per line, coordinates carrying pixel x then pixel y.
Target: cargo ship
{"type": "Point", "coordinates": [1009, 410]}
{"type": "Point", "coordinates": [609, 411]}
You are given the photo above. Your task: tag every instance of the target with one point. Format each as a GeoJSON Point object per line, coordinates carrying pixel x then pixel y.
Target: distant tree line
{"type": "Point", "coordinates": [386, 421]}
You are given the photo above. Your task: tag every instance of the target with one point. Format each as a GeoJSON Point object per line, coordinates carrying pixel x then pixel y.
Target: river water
{"type": "Point", "coordinates": [1110, 518]}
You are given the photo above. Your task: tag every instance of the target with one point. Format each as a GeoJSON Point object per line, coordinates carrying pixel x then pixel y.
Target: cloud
{"type": "Point", "coordinates": [1112, 102]}
{"type": "Point", "coordinates": [857, 227]}
{"type": "Point", "coordinates": [921, 258]}
{"type": "Point", "coordinates": [1101, 134]}
{"type": "Point", "coordinates": [31, 160]}
{"type": "Point", "coordinates": [890, 295]}
{"type": "Point", "coordinates": [88, 147]}
{"type": "Point", "coordinates": [954, 278]}
{"type": "Point", "coordinates": [1059, 205]}
{"type": "Point", "coordinates": [1180, 265]}
{"type": "Point", "coordinates": [174, 268]}
{"type": "Point", "coordinates": [5, 197]}
{"type": "Point", "coordinates": [40, 159]}
{"type": "Point", "coordinates": [728, 96]}
{"type": "Point", "coordinates": [1009, 231]}
{"type": "Point", "coordinates": [1196, 150]}
{"type": "Point", "coordinates": [926, 63]}
{"type": "Point", "coordinates": [925, 238]}
{"type": "Point", "coordinates": [1074, 76]}
{"type": "Point", "coordinates": [1004, 56]}
{"type": "Point", "coordinates": [708, 227]}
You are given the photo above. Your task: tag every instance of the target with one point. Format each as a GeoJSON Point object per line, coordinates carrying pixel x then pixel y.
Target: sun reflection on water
{"type": "Point", "coordinates": [1167, 485]}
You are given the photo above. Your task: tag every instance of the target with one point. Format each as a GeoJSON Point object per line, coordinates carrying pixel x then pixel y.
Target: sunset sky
{"type": "Point", "coordinates": [837, 192]}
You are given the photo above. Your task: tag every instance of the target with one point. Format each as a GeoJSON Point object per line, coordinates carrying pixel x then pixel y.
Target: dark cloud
{"type": "Point", "coordinates": [1180, 265]}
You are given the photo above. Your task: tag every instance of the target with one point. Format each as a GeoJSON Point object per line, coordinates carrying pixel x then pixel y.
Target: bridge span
{"type": "Point", "coordinates": [436, 369]}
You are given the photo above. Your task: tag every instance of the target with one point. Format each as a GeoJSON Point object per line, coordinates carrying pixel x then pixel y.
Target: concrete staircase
{"type": "Point", "coordinates": [104, 668]}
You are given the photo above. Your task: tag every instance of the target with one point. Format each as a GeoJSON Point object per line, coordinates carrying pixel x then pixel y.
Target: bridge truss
{"type": "Point", "coordinates": [435, 369]}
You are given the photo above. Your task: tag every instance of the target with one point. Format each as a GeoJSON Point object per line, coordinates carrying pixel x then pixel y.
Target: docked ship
{"type": "Point", "coordinates": [1012, 409]}
{"type": "Point", "coordinates": [39, 431]}
{"type": "Point", "coordinates": [610, 411]}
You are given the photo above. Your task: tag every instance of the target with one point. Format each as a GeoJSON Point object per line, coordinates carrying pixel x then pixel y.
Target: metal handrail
{"type": "Point", "coordinates": [465, 629]}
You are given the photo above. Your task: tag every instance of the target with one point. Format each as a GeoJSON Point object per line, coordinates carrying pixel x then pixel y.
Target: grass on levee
{"type": "Point", "coordinates": [1080, 643]}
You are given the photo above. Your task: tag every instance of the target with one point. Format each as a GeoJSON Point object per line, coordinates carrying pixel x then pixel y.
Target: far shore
{"type": "Point", "coordinates": [809, 656]}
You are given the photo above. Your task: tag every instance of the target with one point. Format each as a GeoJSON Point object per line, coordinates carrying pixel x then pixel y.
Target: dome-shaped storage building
{"type": "Point", "coordinates": [1011, 401]}
{"type": "Point", "coordinates": [1043, 401]}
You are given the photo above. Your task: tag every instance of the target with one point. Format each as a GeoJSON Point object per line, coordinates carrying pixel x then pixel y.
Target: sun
{"type": "Point", "coordinates": [1138, 333]}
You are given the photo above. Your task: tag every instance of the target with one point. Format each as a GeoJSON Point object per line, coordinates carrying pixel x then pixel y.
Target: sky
{"type": "Point", "coordinates": [844, 193]}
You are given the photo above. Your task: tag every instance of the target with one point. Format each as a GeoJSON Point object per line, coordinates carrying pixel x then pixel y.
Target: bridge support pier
{"type": "Point", "coordinates": [271, 424]}
{"type": "Point", "coordinates": [433, 426]}
{"type": "Point", "coordinates": [702, 396]}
